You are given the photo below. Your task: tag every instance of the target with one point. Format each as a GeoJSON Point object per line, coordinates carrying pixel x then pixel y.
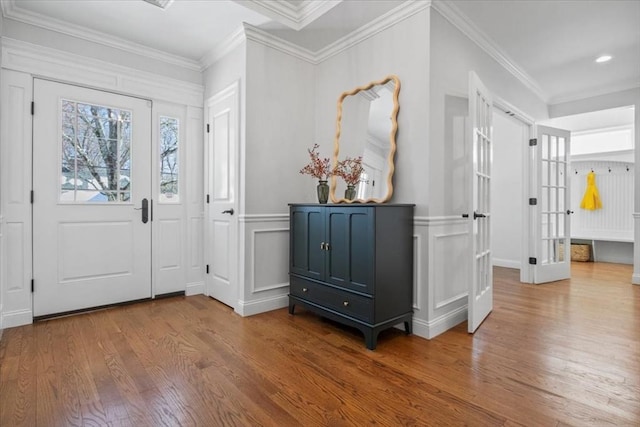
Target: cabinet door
{"type": "Point", "coordinates": [350, 233]}
{"type": "Point", "coordinates": [307, 234]}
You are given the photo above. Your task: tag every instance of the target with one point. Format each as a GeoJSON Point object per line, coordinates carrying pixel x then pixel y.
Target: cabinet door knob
{"type": "Point", "coordinates": [322, 246]}
{"type": "Point", "coordinates": [304, 289]}
{"type": "Point", "coordinates": [326, 247]}
{"type": "Point", "coordinates": [346, 303]}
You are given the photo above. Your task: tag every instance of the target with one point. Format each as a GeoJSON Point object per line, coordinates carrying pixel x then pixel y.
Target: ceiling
{"type": "Point", "coordinates": [553, 44]}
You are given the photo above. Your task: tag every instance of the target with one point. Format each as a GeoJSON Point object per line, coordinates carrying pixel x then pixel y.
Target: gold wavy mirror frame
{"type": "Point", "coordinates": [366, 127]}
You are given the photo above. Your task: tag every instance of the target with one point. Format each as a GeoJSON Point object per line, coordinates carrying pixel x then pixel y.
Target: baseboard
{"type": "Point", "coordinates": [508, 263]}
{"type": "Point", "coordinates": [195, 288]}
{"type": "Point", "coordinates": [16, 318]}
{"type": "Point", "coordinates": [439, 325]}
{"type": "Point", "coordinates": [635, 279]}
{"type": "Point", "coordinates": [249, 308]}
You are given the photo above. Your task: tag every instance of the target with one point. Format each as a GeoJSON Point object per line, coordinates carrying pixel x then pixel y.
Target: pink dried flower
{"type": "Point", "coordinates": [318, 168]}
{"type": "Point", "coordinates": [350, 169]}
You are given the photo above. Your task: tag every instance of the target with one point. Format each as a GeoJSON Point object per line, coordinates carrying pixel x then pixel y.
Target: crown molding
{"type": "Point", "coordinates": [453, 14]}
{"type": "Point", "coordinates": [55, 64]}
{"type": "Point", "coordinates": [267, 39]}
{"type": "Point", "coordinates": [621, 87]}
{"type": "Point", "coordinates": [395, 15]}
{"type": "Point", "coordinates": [293, 16]}
{"type": "Point", "coordinates": [11, 11]}
{"type": "Point", "coordinates": [401, 12]}
{"type": "Point", "coordinates": [231, 42]}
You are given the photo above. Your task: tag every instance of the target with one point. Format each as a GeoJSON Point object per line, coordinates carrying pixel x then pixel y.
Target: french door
{"type": "Point", "coordinates": [480, 158]}
{"type": "Point", "coordinates": [550, 202]}
{"type": "Point", "coordinates": [91, 204]}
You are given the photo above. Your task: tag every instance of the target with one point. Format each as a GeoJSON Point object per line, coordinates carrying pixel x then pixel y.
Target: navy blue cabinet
{"type": "Point", "coordinates": [353, 264]}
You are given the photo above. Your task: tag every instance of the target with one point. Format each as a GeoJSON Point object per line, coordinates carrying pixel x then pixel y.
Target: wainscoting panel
{"type": "Point", "coordinates": [270, 259]}
{"type": "Point", "coordinates": [448, 274]}
{"type": "Point", "coordinates": [264, 263]}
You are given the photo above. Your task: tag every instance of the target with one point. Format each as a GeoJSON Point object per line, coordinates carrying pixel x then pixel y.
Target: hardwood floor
{"type": "Point", "coordinates": [566, 353]}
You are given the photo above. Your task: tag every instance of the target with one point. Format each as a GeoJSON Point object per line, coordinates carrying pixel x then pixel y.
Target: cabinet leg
{"type": "Point", "coordinates": [292, 307]}
{"type": "Point", "coordinates": [408, 327]}
{"type": "Point", "coordinates": [371, 339]}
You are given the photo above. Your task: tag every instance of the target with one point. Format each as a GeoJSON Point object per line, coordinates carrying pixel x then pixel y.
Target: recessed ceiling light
{"type": "Point", "coordinates": [604, 58]}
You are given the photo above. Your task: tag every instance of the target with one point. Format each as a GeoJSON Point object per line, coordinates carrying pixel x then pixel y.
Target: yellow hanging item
{"type": "Point", "coordinates": [591, 200]}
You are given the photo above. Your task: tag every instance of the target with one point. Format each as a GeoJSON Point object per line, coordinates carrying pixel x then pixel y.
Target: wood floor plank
{"type": "Point", "coordinates": [560, 354]}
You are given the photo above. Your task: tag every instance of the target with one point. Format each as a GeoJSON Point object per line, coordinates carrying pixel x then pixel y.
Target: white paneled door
{"type": "Point", "coordinates": [222, 184]}
{"type": "Point", "coordinates": [480, 159]}
{"type": "Point", "coordinates": [92, 198]}
{"type": "Point", "coordinates": [551, 224]}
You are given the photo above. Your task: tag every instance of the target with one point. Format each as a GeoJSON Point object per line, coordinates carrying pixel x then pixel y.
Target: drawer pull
{"type": "Point", "coordinates": [346, 303]}
{"type": "Point", "coordinates": [304, 289]}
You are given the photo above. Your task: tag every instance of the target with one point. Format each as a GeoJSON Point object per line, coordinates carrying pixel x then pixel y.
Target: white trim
{"type": "Point", "coordinates": [260, 36]}
{"type": "Point", "coordinates": [398, 14]}
{"type": "Point", "coordinates": [195, 288]}
{"type": "Point", "coordinates": [513, 111]}
{"type": "Point", "coordinates": [417, 279]}
{"type": "Point", "coordinates": [635, 279]}
{"type": "Point", "coordinates": [629, 85]}
{"type": "Point", "coordinates": [253, 261]}
{"type": "Point", "coordinates": [507, 263]}
{"type": "Point", "coordinates": [294, 16]}
{"type": "Point", "coordinates": [438, 220]}
{"type": "Point", "coordinates": [227, 45]}
{"type": "Point", "coordinates": [593, 131]}
{"type": "Point", "coordinates": [64, 66]}
{"type": "Point", "coordinates": [250, 218]}
{"type": "Point", "coordinates": [250, 308]}
{"type": "Point", "coordinates": [12, 11]}
{"type": "Point", "coordinates": [440, 324]}
{"type": "Point", "coordinates": [453, 14]}
{"type": "Point", "coordinates": [394, 16]}
{"type": "Point", "coordinates": [16, 318]}
{"type": "Point", "coordinates": [451, 300]}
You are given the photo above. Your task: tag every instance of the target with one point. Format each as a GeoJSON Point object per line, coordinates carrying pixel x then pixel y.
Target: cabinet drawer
{"type": "Point", "coordinates": [343, 302]}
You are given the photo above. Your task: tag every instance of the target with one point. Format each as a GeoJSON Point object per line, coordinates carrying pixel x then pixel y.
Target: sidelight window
{"type": "Point", "coordinates": [169, 167]}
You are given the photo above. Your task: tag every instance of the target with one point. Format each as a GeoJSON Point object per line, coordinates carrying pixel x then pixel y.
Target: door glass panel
{"type": "Point", "coordinates": [169, 167]}
{"type": "Point", "coordinates": [95, 154]}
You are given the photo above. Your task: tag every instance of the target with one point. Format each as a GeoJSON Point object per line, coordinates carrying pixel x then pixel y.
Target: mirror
{"type": "Point", "coordinates": [366, 127]}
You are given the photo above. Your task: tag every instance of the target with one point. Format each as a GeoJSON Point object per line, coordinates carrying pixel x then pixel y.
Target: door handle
{"type": "Point", "coordinates": [569, 211]}
{"type": "Point", "coordinates": [145, 211]}
{"type": "Point", "coordinates": [475, 215]}
{"type": "Point", "coordinates": [228, 211]}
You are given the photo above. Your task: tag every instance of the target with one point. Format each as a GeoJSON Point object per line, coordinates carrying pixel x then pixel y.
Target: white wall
{"type": "Point", "coordinates": [506, 189]}
{"type": "Point", "coordinates": [403, 50]}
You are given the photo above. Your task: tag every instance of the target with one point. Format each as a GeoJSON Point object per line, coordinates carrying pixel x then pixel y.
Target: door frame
{"type": "Point", "coordinates": [526, 270]}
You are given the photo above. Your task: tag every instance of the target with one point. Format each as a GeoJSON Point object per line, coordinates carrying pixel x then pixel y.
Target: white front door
{"type": "Point", "coordinates": [222, 224]}
{"type": "Point", "coordinates": [480, 159]}
{"type": "Point", "coordinates": [91, 175]}
{"type": "Point", "coordinates": [550, 201]}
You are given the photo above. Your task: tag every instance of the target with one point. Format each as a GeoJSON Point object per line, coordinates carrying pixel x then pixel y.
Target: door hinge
{"type": "Point", "coordinates": [207, 269]}
{"type": "Point", "coordinates": [33, 107]}
{"type": "Point", "coordinates": [533, 260]}
{"type": "Point", "coordinates": [533, 142]}
{"type": "Point", "coordinates": [208, 130]}
{"type": "Point", "coordinates": [32, 285]}
{"type": "Point", "coordinates": [32, 197]}
{"type": "Point", "coordinates": [533, 201]}
{"type": "Point", "coordinates": [207, 198]}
